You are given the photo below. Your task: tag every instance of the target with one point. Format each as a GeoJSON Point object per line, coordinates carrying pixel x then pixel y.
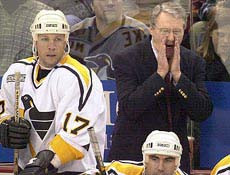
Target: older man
{"type": "Point", "coordinates": [160, 85]}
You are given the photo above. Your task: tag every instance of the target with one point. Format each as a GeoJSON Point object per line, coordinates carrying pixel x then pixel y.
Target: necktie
{"type": "Point", "coordinates": [168, 94]}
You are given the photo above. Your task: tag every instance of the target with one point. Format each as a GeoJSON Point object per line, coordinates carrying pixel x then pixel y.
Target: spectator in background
{"type": "Point", "coordinates": [78, 8]}
{"type": "Point", "coordinates": [215, 48]}
{"type": "Point", "coordinates": [222, 167]}
{"type": "Point", "coordinates": [98, 39]}
{"type": "Point", "coordinates": [198, 29]}
{"type": "Point", "coordinates": [205, 8]}
{"type": "Point", "coordinates": [196, 5]}
{"type": "Point", "coordinates": [160, 85]}
{"type": "Point", "coordinates": [16, 16]}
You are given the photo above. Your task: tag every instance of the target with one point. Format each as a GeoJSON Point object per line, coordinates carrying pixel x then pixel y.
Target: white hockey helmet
{"type": "Point", "coordinates": [163, 143]}
{"type": "Point", "coordinates": [50, 21]}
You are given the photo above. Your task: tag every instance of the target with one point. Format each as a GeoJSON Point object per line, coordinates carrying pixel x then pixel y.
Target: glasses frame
{"type": "Point", "coordinates": [166, 31]}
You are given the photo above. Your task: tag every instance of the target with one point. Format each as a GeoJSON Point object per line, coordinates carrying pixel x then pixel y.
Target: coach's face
{"type": "Point", "coordinates": [167, 28]}
{"type": "Point", "coordinates": [108, 11]}
{"type": "Point", "coordinates": [50, 49]}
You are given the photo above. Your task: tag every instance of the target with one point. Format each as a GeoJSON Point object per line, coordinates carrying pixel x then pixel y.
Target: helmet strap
{"type": "Point", "coordinates": [34, 50]}
{"type": "Point", "coordinates": [68, 48]}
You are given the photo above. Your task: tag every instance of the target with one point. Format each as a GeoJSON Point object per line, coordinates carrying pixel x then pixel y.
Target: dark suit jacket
{"type": "Point", "coordinates": [142, 105]}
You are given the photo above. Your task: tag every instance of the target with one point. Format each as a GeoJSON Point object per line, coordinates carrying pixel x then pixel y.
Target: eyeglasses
{"type": "Point", "coordinates": [167, 31]}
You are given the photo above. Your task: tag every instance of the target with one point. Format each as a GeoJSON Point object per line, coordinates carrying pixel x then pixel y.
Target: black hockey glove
{"type": "Point", "coordinates": [40, 165]}
{"type": "Point", "coordinates": [15, 135]}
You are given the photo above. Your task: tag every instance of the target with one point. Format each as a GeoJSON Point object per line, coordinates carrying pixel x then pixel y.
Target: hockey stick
{"type": "Point", "coordinates": [96, 150]}
{"type": "Point", "coordinates": [17, 77]}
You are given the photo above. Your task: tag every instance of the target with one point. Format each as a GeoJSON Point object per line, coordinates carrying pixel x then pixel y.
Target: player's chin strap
{"type": "Point", "coordinates": [34, 50]}
{"type": "Point", "coordinates": [40, 165]}
{"type": "Point", "coordinates": [68, 48]}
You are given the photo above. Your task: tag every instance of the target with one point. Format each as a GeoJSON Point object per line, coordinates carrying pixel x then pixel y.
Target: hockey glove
{"type": "Point", "coordinates": [40, 165]}
{"type": "Point", "coordinates": [15, 135]}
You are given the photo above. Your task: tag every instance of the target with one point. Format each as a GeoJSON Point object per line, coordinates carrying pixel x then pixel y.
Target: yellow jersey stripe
{"type": "Point", "coordinates": [125, 168]}
{"type": "Point", "coordinates": [21, 112]}
{"type": "Point", "coordinates": [65, 151]}
{"type": "Point", "coordinates": [28, 60]}
{"type": "Point", "coordinates": [84, 72]}
{"type": "Point", "coordinates": [222, 164]}
{"type": "Point", "coordinates": [5, 118]}
{"type": "Point", "coordinates": [32, 151]}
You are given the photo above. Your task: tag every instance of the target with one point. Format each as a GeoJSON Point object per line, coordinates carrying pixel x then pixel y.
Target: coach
{"type": "Point", "coordinates": [160, 85]}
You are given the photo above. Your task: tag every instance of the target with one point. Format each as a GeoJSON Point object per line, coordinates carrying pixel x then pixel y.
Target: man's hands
{"type": "Point", "coordinates": [15, 135]}
{"type": "Point", "coordinates": [172, 64]}
{"type": "Point", "coordinates": [163, 65]}
{"type": "Point", "coordinates": [40, 165]}
{"type": "Point", "coordinates": [175, 65]}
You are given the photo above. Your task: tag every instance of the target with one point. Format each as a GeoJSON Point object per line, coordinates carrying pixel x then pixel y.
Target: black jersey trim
{"type": "Point", "coordinates": [223, 170]}
{"type": "Point", "coordinates": [33, 72]}
{"type": "Point", "coordinates": [81, 101]}
{"type": "Point", "coordinates": [22, 62]}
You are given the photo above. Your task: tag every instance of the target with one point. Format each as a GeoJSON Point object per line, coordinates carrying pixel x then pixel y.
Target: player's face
{"type": "Point", "coordinates": [50, 49]}
{"type": "Point", "coordinates": [169, 28]}
{"type": "Point", "coordinates": [160, 165]}
{"type": "Point", "coordinates": [108, 11]}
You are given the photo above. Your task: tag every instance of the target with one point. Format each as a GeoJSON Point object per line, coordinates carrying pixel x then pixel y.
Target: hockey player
{"type": "Point", "coordinates": [161, 156]}
{"type": "Point", "coordinates": [60, 99]}
{"type": "Point", "coordinates": [222, 167]}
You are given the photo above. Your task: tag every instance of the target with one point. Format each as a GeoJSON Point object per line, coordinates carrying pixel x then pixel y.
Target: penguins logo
{"type": "Point", "coordinates": [40, 120]}
{"type": "Point", "coordinates": [101, 64]}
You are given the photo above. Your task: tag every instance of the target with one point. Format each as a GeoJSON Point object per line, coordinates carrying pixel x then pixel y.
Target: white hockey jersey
{"type": "Point", "coordinates": [60, 107]}
{"type": "Point", "coordinates": [130, 168]}
{"type": "Point", "coordinates": [125, 168]}
{"type": "Point", "coordinates": [222, 167]}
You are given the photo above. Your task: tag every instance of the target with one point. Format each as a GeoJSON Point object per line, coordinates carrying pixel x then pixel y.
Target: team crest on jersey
{"type": "Point", "coordinates": [2, 107]}
{"type": "Point", "coordinates": [11, 78]}
{"type": "Point", "coordinates": [100, 63]}
{"type": "Point", "coordinates": [40, 120]}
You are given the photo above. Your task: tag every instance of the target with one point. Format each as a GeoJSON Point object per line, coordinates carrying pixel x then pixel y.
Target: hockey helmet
{"type": "Point", "coordinates": [163, 143]}
{"type": "Point", "coordinates": [50, 21]}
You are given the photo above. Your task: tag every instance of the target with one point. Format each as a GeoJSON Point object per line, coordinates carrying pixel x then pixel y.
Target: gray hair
{"type": "Point", "coordinates": [172, 8]}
